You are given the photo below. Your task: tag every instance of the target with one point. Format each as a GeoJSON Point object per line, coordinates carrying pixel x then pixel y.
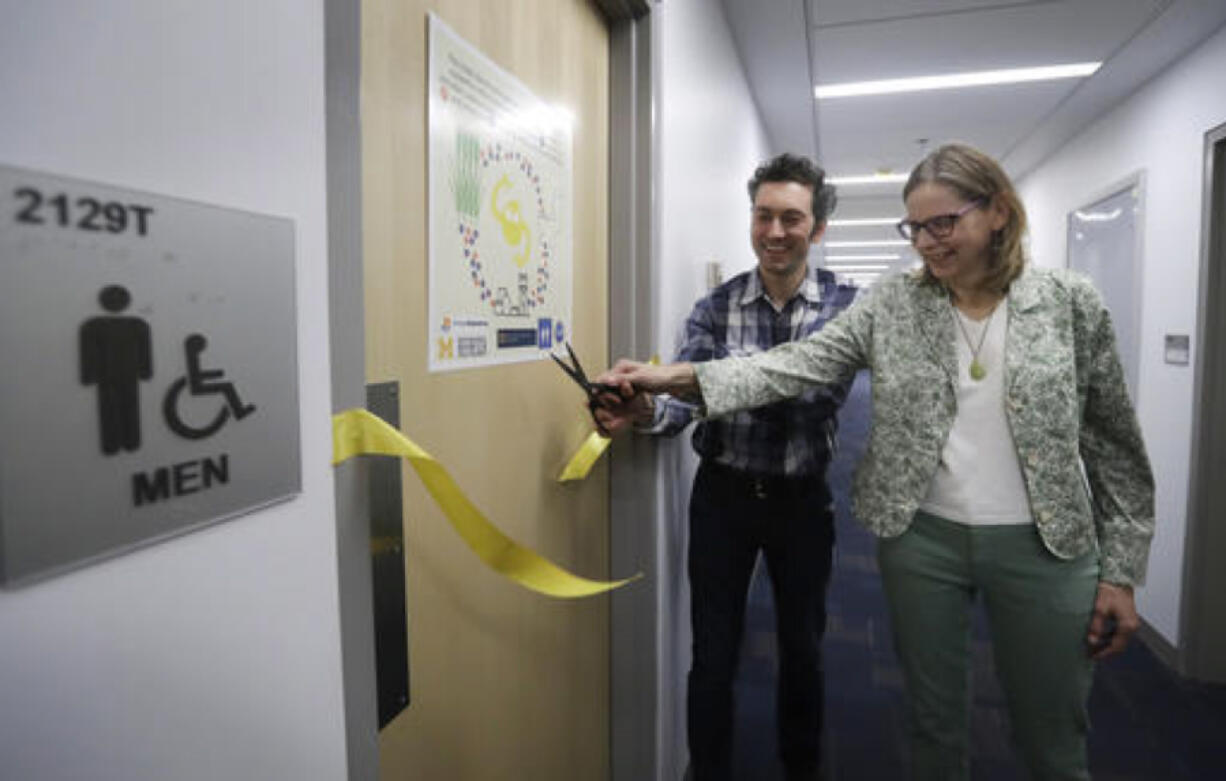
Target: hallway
{"type": "Point", "coordinates": [1147, 723]}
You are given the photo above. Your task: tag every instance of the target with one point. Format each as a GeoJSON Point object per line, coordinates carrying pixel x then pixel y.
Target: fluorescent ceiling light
{"type": "Point", "coordinates": [883, 243]}
{"type": "Point", "coordinates": [1097, 216]}
{"type": "Point", "coordinates": [953, 80]}
{"type": "Point", "coordinates": [865, 221]}
{"type": "Point", "coordinates": [859, 267]}
{"type": "Point", "coordinates": [862, 257]}
{"type": "Point", "coordinates": [869, 179]}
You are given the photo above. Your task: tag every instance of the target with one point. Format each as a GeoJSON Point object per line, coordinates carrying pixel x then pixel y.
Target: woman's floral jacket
{"type": "Point", "coordinates": [1075, 431]}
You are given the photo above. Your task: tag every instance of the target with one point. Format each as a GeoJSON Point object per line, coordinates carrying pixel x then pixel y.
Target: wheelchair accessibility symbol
{"type": "Point", "coordinates": [201, 382]}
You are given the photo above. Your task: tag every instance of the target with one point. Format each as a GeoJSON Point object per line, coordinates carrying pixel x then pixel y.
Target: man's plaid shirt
{"type": "Point", "coordinates": [794, 437]}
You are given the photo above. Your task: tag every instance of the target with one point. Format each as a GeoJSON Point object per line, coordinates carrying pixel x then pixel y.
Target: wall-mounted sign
{"type": "Point", "coordinates": [1177, 349]}
{"type": "Point", "coordinates": [500, 212]}
{"type": "Point", "coordinates": [148, 369]}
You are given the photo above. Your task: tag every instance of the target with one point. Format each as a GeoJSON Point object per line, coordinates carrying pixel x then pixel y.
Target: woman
{"type": "Point", "coordinates": [994, 385]}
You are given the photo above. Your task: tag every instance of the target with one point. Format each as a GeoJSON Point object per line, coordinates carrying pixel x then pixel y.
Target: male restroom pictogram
{"type": "Point", "coordinates": [116, 355]}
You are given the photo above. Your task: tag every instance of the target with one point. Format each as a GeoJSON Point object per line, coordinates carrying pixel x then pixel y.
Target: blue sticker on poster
{"type": "Point", "coordinates": [544, 330]}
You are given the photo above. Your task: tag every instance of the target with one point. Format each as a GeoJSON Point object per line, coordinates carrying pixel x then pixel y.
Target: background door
{"type": "Point", "coordinates": [1102, 243]}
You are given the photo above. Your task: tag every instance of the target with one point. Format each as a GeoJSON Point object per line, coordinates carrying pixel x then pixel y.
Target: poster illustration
{"type": "Point", "coordinates": [500, 268]}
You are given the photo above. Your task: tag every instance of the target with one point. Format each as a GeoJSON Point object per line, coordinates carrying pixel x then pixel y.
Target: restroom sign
{"type": "Point", "coordinates": [148, 369]}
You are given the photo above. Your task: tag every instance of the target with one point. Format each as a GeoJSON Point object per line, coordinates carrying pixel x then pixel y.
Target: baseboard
{"type": "Point", "coordinates": [1167, 653]}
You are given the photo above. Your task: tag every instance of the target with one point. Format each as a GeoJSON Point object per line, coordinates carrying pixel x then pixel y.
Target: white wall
{"type": "Point", "coordinates": [1159, 130]}
{"type": "Point", "coordinates": [216, 654]}
{"type": "Point", "coordinates": [710, 138]}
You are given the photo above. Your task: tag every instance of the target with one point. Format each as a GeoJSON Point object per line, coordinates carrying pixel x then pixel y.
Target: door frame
{"type": "Point", "coordinates": [347, 337]}
{"type": "Point", "coordinates": [1203, 577]}
{"type": "Point", "coordinates": [634, 624]}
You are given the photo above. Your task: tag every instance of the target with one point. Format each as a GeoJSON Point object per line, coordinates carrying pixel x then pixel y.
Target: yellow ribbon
{"type": "Point", "coordinates": [357, 431]}
{"type": "Point", "coordinates": [585, 457]}
{"type": "Point", "coordinates": [590, 451]}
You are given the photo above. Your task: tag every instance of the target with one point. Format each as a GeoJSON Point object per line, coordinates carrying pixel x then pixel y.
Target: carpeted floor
{"type": "Point", "coordinates": [1148, 725]}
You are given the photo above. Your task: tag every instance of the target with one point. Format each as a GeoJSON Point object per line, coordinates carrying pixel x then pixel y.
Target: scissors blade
{"type": "Point", "coordinates": [580, 375]}
{"type": "Point", "coordinates": [592, 389]}
{"type": "Point", "coordinates": [569, 371]}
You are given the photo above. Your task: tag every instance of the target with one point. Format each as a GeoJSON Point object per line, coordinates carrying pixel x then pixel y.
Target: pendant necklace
{"type": "Point", "coordinates": [977, 370]}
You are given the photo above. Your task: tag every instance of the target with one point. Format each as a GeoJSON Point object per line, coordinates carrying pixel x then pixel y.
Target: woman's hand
{"type": "Point", "coordinates": [677, 379]}
{"type": "Point", "coordinates": [636, 382]}
{"type": "Point", "coordinates": [1113, 622]}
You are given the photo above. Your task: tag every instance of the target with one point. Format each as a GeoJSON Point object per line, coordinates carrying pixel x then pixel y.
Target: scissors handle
{"type": "Point", "coordinates": [596, 388]}
{"type": "Point", "coordinates": [593, 404]}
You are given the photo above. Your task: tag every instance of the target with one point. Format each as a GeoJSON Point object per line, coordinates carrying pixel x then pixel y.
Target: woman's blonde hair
{"type": "Point", "coordinates": [975, 176]}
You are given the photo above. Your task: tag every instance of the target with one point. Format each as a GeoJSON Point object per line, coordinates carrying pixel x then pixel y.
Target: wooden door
{"type": "Point", "coordinates": [505, 683]}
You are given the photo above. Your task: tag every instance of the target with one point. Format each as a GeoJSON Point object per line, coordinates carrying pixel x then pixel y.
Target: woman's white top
{"type": "Point", "coordinates": [979, 480]}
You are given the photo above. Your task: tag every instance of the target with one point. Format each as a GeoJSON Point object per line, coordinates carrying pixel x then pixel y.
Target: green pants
{"type": "Point", "coordinates": [1038, 609]}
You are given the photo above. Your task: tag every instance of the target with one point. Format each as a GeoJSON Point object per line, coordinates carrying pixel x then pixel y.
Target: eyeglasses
{"type": "Point", "coordinates": [938, 227]}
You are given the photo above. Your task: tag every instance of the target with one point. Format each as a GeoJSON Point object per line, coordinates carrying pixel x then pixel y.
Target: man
{"type": "Point", "coordinates": [761, 483]}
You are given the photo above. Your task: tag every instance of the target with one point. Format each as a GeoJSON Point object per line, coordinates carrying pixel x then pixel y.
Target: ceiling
{"type": "Point", "coordinates": [789, 46]}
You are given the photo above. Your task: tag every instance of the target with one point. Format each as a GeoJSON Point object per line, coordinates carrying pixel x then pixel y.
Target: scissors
{"type": "Point", "coordinates": [592, 389]}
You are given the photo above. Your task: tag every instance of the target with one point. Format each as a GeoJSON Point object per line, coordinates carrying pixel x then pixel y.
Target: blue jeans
{"type": "Point", "coordinates": [733, 516]}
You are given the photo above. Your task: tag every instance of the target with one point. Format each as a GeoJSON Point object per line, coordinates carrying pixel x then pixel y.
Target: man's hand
{"type": "Point", "coordinates": [1113, 621]}
{"type": "Point", "coordinates": [615, 414]}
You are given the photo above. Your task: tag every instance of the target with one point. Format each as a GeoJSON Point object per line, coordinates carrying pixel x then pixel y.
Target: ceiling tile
{"type": "Point", "coordinates": [833, 13]}
{"type": "Point", "coordinates": [1006, 37]}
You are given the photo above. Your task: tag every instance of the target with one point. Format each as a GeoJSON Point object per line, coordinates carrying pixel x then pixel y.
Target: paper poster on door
{"type": "Point", "coordinates": [500, 270]}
